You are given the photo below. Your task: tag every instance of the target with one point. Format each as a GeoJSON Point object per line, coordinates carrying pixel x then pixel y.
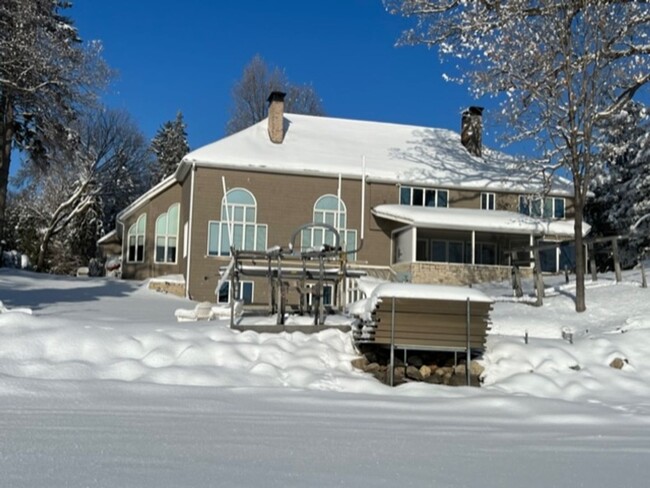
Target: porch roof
{"type": "Point", "coordinates": [476, 220]}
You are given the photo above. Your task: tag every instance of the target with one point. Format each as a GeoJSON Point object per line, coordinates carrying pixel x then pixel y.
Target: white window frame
{"type": "Point", "coordinates": [488, 201]}
{"type": "Point", "coordinates": [310, 296]}
{"type": "Point", "coordinates": [137, 234]}
{"type": "Point", "coordinates": [317, 236]}
{"type": "Point", "coordinates": [411, 189]}
{"type": "Point", "coordinates": [241, 291]}
{"type": "Point", "coordinates": [241, 228]}
{"type": "Point", "coordinates": [529, 199]}
{"type": "Point", "coordinates": [167, 236]}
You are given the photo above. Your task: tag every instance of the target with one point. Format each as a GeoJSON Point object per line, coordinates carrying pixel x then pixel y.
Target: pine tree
{"type": "Point", "coordinates": [561, 69]}
{"type": "Point", "coordinates": [46, 75]}
{"type": "Point", "coordinates": [170, 145]}
{"type": "Point", "coordinates": [622, 189]}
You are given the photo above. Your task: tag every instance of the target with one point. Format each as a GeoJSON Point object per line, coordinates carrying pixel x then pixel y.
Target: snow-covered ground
{"type": "Point", "coordinates": [100, 386]}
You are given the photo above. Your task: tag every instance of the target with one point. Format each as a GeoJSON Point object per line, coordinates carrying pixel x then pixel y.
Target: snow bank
{"type": "Point", "coordinates": [95, 330]}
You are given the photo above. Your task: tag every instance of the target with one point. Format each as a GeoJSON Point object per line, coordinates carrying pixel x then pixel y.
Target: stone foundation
{"type": "Point", "coordinates": [173, 287]}
{"type": "Point", "coordinates": [427, 367]}
{"type": "Point", "coordinates": [456, 274]}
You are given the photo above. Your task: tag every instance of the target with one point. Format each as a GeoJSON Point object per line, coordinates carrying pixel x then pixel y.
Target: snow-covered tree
{"type": "Point", "coordinates": [170, 145]}
{"type": "Point", "coordinates": [622, 189]}
{"type": "Point", "coordinates": [250, 94]}
{"type": "Point", "coordinates": [562, 68]}
{"type": "Point", "coordinates": [103, 165]}
{"type": "Point", "coordinates": [46, 73]}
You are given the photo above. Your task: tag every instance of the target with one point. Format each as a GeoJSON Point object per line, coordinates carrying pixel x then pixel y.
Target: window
{"type": "Point", "coordinates": [485, 253]}
{"type": "Point", "coordinates": [328, 293]}
{"type": "Point", "coordinates": [549, 207]}
{"type": "Point", "coordinates": [135, 251]}
{"type": "Point", "coordinates": [167, 235]}
{"type": "Point", "coordinates": [245, 292]}
{"type": "Point", "coordinates": [240, 210]}
{"type": "Point", "coordinates": [328, 209]}
{"type": "Point", "coordinates": [488, 201]}
{"type": "Point", "coordinates": [423, 197]}
{"type": "Point", "coordinates": [440, 251]}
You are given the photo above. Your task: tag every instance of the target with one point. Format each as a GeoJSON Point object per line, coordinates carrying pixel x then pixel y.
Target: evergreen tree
{"type": "Point", "coordinates": [622, 189]}
{"type": "Point", "coordinates": [170, 145]}
{"type": "Point", "coordinates": [561, 68]}
{"type": "Point", "coordinates": [46, 75]}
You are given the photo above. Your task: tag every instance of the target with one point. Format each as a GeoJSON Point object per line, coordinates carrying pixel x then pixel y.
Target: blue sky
{"type": "Point", "coordinates": [186, 56]}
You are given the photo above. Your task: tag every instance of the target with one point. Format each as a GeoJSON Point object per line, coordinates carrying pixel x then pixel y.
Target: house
{"type": "Point", "coordinates": [424, 205]}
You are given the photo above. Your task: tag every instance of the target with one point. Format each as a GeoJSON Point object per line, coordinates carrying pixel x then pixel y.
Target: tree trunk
{"type": "Point", "coordinates": [42, 250]}
{"type": "Point", "coordinates": [580, 255]}
{"type": "Point", "coordinates": [6, 139]}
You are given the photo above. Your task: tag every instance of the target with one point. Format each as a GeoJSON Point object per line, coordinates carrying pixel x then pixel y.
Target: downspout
{"type": "Point", "coordinates": [122, 257]}
{"type": "Point", "coordinates": [189, 234]}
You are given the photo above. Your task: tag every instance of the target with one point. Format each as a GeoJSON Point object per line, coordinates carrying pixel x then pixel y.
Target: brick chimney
{"type": "Point", "coordinates": [471, 131]}
{"type": "Point", "coordinates": [276, 116]}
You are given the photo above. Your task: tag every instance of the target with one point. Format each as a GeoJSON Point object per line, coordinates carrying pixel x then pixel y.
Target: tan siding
{"type": "Point", "coordinates": [464, 199]}
{"type": "Point", "coordinates": [153, 208]}
{"type": "Point", "coordinates": [284, 202]}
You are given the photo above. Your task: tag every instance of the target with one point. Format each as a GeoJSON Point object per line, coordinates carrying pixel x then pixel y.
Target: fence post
{"type": "Point", "coordinates": [469, 351]}
{"type": "Point", "coordinates": [392, 344]}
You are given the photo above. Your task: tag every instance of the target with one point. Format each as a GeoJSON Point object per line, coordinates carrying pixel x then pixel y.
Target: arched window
{"type": "Point", "coordinates": [167, 235]}
{"type": "Point", "coordinates": [135, 252]}
{"type": "Point", "coordinates": [328, 209]}
{"type": "Point", "coordinates": [239, 217]}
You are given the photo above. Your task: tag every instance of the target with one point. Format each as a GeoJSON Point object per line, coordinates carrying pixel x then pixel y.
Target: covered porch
{"type": "Point", "coordinates": [463, 246]}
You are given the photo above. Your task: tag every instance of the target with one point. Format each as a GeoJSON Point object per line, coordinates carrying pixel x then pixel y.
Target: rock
{"type": "Point", "coordinates": [457, 380]}
{"type": "Point", "coordinates": [618, 363]}
{"type": "Point", "coordinates": [415, 361]}
{"type": "Point", "coordinates": [461, 380]}
{"type": "Point", "coordinates": [413, 373]}
{"type": "Point", "coordinates": [360, 363]}
{"type": "Point", "coordinates": [434, 379]}
{"type": "Point", "coordinates": [425, 371]}
{"type": "Point", "coordinates": [371, 356]}
{"type": "Point", "coordinates": [444, 371]}
{"type": "Point", "coordinates": [400, 372]}
{"type": "Point", "coordinates": [372, 368]}
{"type": "Point", "coordinates": [476, 368]}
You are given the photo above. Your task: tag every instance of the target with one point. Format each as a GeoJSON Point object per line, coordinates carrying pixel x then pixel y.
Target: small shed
{"type": "Point", "coordinates": [409, 316]}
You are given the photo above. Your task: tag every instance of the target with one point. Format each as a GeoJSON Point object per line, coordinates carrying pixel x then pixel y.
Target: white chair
{"type": "Point", "coordinates": [202, 311]}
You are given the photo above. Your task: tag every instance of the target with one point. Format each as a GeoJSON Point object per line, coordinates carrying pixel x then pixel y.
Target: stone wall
{"type": "Point", "coordinates": [455, 274]}
{"type": "Point", "coordinates": [163, 286]}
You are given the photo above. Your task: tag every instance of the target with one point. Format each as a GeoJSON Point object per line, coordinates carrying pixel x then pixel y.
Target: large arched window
{"type": "Point", "coordinates": [328, 209]}
{"type": "Point", "coordinates": [239, 217]}
{"type": "Point", "coordinates": [167, 235]}
{"type": "Point", "coordinates": [135, 251]}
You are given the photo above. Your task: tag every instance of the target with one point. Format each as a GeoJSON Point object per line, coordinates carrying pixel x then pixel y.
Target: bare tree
{"type": "Point", "coordinates": [562, 67]}
{"type": "Point", "coordinates": [46, 73]}
{"type": "Point", "coordinates": [102, 166]}
{"type": "Point", "coordinates": [250, 93]}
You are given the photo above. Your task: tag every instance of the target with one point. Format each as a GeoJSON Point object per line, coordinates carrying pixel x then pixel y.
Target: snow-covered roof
{"type": "Point", "coordinates": [145, 197]}
{"type": "Point", "coordinates": [109, 237]}
{"type": "Point", "coordinates": [393, 153]}
{"type": "Point", "coordinates": [429, 292]}
{"type": "Point", "coordinates": [477, 220]}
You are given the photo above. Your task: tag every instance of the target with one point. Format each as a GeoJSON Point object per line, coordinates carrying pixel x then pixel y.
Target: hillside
{"type": "Point", "coordinates": [101, 387]}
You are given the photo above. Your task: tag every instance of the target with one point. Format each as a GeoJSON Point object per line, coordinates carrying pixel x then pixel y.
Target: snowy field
{"type": "Point", "coordinates": [100, 386]}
